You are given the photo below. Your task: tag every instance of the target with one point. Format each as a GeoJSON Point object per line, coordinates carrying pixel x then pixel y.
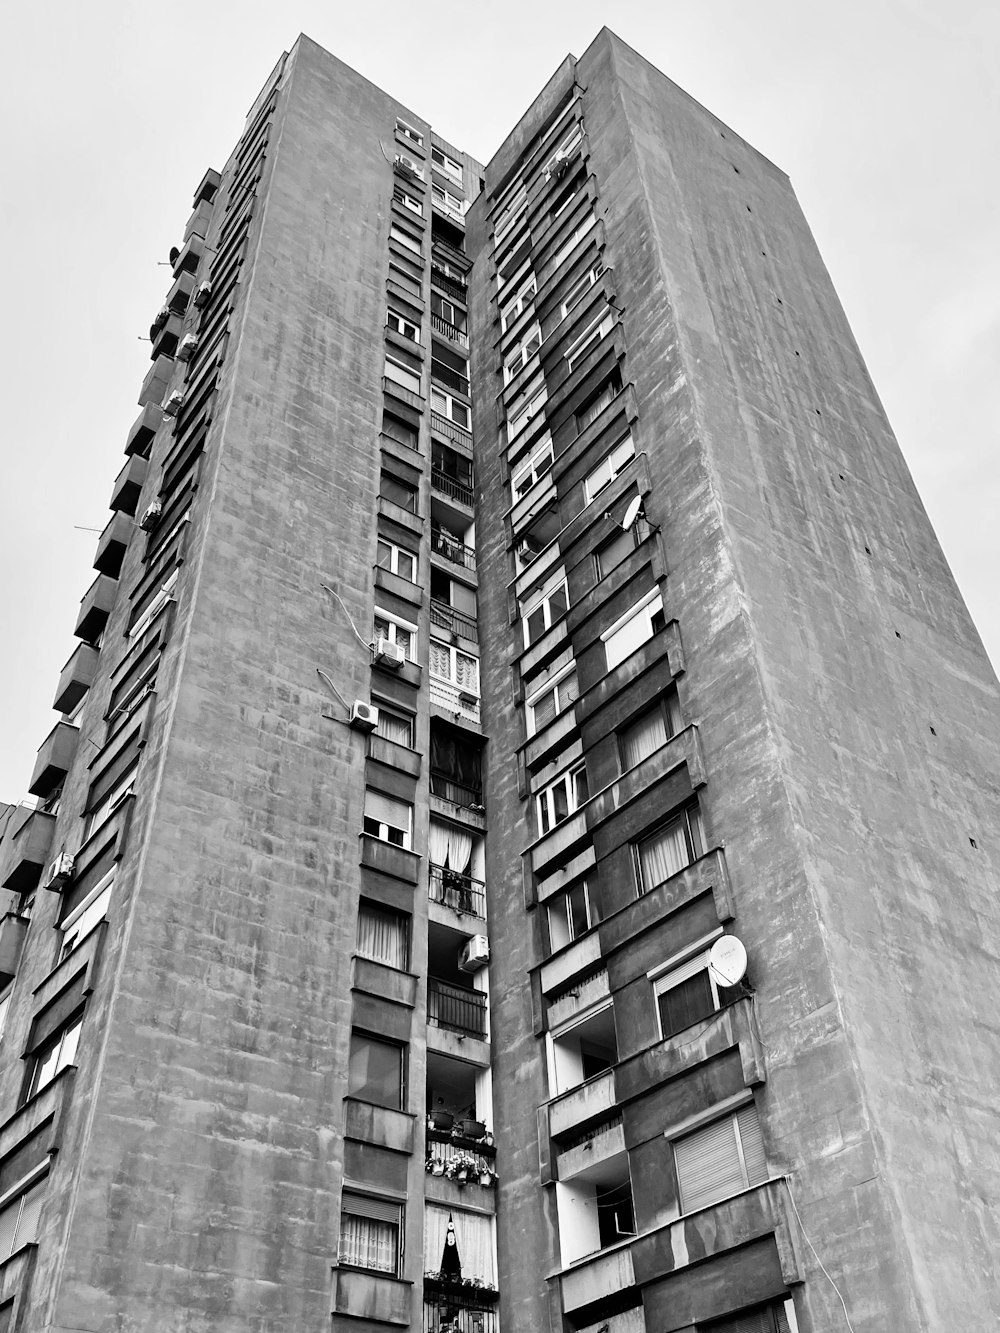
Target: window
{"type": "Point", "coordinates": [596, 404]}
{"type": "Point", "coordinates": [87, 915]}
{"type": "Point", "coordinates": [544, 607]}
{"type": "Point", "coordinates": [570, 141]}
{"type": "Point", "coordinates": [54, 1055]}
{"type": "Point", "coordinates": [375, 1071]}
{"type": "Point", "coordinates": [476, 1247]}
{"type": "Point", "coordinates": [588, 340]}
{"type": "Point", "coordinates": [398, 492]}
{"type": "Point", "coordinates": [720, 1160]}
{"type": "Point", "coordinates": [635, 628]}
{"type": "Point", "coordinates": [520, 416]}
{"type": "Point", "coordinates": [450, 202]}
{"type": "Point", "coordinates": [370, 1233]}
{"type": "Point", "coordinates": [19, 1219]}
{"type": "Point", "coordinates": [651, 731]}
{"type": "Point", "coordinates": [5, 1006]}
{"type": "Point", "coordinates": [409, 132]}
{"type": "Point", "coordinates": [408, 200]}
{"type": "Point", "coordinates": [689, 993]}
{"type": "Point", "coordinates": [518, 357]}
{"type": "Point", "coordinates": [609, 468]}
{"type": "Point", "coordinates": [404, 239]}
{"type": "Point", "coordinates": [450, 407]}
{"type": "Point", "coordinates": [610, 555]}
{"type": "Point", "coordinates": [770, 1318]}
{"type": "Point", "coordinates": [383, 935]}
{"type": "Point", "coordinates": [398, 632]}
{"type": "Point", "coordinates": [558, 801]}
{"type": "Point", "coordinates": [410, 165]}
{"type": "Point", "coordinates": [447, 163]}
{"type": "Point", "coordinates": [552, 699]}
{"type": "Point", "coordinates": [399, 374]}
{"type": "Point", "coordinates": [532, 470]}
{"type": "Point", "coordinates": [672, 847]}
{"type": "Point", "coordinates": [450, 465]}
{"type": "Point", "coordinates": [403, 326]}
{"type": "Point", "coordinates": [523, 298]}
{"type": "Point", "coordinates": [388, 819]}
{"type": "Point", "coordinates": [458, 668]}
{"type": "Point", "coordinates": [571, 242]}
{"type": "Point", "coordinates": [509, 210]}
{"type": "Point", "coordinates": [393, 726]}
{"type": "Point", "coordinates": [448, 312]}
{"type": "Point", "coordinates": [399, 430]}
{"type": "Point", "coordinates": [581, 287]}
{"type": "Point", "coordinates": [106, 794]}
{"type": "Point", "coordinates": [570, 915]}
{"type": "Point", "coordinates": [397, 560]}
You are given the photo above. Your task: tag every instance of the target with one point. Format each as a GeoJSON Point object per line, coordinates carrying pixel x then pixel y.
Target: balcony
{"type": "Point", "coordinates": [460, 892]}
{"type": "Point", "coordinates": [112, 545]}
{"type": "Point", "coordinates": [76, 679]}
{"type": "Point", "coordinates": [128, 485]}
{"type": "Point", "coordinates": [95, 608]}
{"type": "Point", "coordinates": [29, 852]}
{"type": "Point", "coordinates": [145, 426]}
{"type": "Point", "coordinates": [452, 549]}
{"type": "Point", "coordinates": [166, 337]}
{"type": "Point", "coordinates": [591, 1100]}
{"type": "Point", "coordinates": [154, 386]}
{"type": "Point", "coordinates": [454, 621]}
{"type": "Point", "coordinates": [372, 1296]}
{"type": "Point", "coordinates": [199, 221]}
{"type": "Point", "coordinates": [450, 331]}
{"type": "Point", "coordinates": [458, 704]}
{"type": "Point", "coordinates": [452, 1307]}
{"type": "Point", "coordinates": [180, 293]}
{"type": "Point", "coordinates": [457, 434]}
{"type": "Point", "coordinates": [190, 255]}
{"type": "Point", "coordinates": [55, 758]}
{"type": "Point", "coordinates": [463, 794]}
{"type": "Point", "coordinates": [445, 283]}
{"type": "Point", "coordinates": [455, 1163]}
{"type": "Point", "coordinates": [398, 862]}
{"type": "Point", "coordinates": [455, 1008]}
{"type": "Point", "coordinates": [452, 487]}
{"type": "Point", "coordinates": [597, 1278]}
{"type": "Point", "coordinates": [13, 928]}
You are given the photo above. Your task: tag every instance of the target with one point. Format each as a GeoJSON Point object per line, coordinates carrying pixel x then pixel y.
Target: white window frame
{"type": "Point", "coordinates": [523, 351]}
{"type": "Point", "coordinates": [25, 1196]}
{"type": "Point", "coordinates": [402, 237]}
{"type": "Point", "coordinates": [453, 655]}
{"type": "Point", "coordinates": [446, 405]}
{"type": "Point", "coordinates": [581, 287]}
{"type": "Point", "coordinates": [100, 814]}
{"type": "Point", "coordinates": [615, 640]}
{"type": "Point", "coordinates": [165, 595]}
{"type": "Point", "coordinates": [667, 709]}
{"type": "Point", "coordinates": [405, 839]}
{"type": "Point", "coordinates": [59, 1055]}
{"type": "Point", "coordinates": [523, 297]}
{"type": "Point", "coordinates": [393, 626]}
{"type": "Point", "coordinates": [402, 375]}
{"type": "Point", "coordinates": [395, 553]}
{"type": "Point", "coordinates": [571, 242]}
{"type": "Point", "coordinates": [588, 339]}
{"type": "Point", "coordinates": [87, 915]}
{"type": "Point", "coordinates": [560, 905]}
{"type": "Point", "coordinates": [673, 974]}
{"type": "Point", "coordinates": [568, 782]}
{"type": "Point", "coordinates": [517, 421]}
{"type": "Point", "coordinates": [403, 326]}
{"type": "Point", "coordinates": [387, 711]}
{"type": "Point", "coordinates": [440, 158]}
{"type": "Point", "coordinates": [451, 203]}
{"type": "Point", "coordinates": [509, 210]}
{"type": "Point", "coordinates": [542, 598]}
{"type": "Point", "coordinates": [530, 471]}
{"type": "Point", "coordinates": [689, 816]}
{"type": "Point", "coordinates": [557, 684]}
{"type": "Point", "coordinates": [408, 200]}
{"type": "Point", "coordinates": [408, 132]}
{"type": "Point", "coordinates": [564, 151]}
{"type": "Point", "coordinates": [749, 1178]}
{"type": "Point", "coordinates": [378, 1211]}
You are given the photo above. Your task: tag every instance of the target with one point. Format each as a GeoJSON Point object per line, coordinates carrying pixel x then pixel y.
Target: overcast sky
{"type": "Point", "coordinates": [883, 112]}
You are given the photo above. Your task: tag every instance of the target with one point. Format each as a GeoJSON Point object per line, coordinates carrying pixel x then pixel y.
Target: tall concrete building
{"type": "Point", "coordinates": [517, 851]}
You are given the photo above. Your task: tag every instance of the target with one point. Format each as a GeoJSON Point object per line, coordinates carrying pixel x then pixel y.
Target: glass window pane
{"type": "Point", "coordinates": [375, 1071]}
{"type": "Point", "coordinates": [682, 1005]}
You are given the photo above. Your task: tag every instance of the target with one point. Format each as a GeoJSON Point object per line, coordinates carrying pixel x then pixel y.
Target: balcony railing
{"type": "Point", "coordinates": [460, 1159]}
{"type": "Point", "coordinates": [453, 700]}
{"type": "Point", "coordinates": [453, 889]}
{"type": "Point", "coordinates": [448, 618]}
{"type": "Point", "coordinates": [450, 1307]}
{"type": "Point", "coordinates": [455, 1008]}
{"type": "Point", "coordinates": [450, 486]}
{"type": "Point", "coordinates": [450, 331]}
{"type": "Point", "coordinates": [443, 543]}
{"type": "Point", "coordinates": [457, 434]}
{"type": "Point", "coordinates": [459, 793]}
{"type": "Point", "coordinates": [445, 375]}
{"type": "Point", "coordinates": [454, 286]}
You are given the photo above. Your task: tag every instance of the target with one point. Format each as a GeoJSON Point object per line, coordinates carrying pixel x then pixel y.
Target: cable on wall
{"type": "Point", "coordinates": [812, 1247]}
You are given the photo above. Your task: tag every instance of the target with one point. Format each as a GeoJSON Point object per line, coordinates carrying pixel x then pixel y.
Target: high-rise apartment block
{"type": "Point", "coordinates": [518, 848]}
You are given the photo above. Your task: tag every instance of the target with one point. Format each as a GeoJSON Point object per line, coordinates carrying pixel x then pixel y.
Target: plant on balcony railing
{"type": "Point", "coordinates": [464, 1168]}
{"type": "Point", "coordinates": [441, 1282]}
{"type": "Point", "coordinates": [444, 543]}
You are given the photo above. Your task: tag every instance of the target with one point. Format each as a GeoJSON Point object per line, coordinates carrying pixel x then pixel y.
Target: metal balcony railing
{"type": "Point", "coordinates": [448, 618]}
{"type": "Point", "coordinates": [450, 1307]}
{"type": "Point", "coordinates": [453, 889]}
{"type": "Point", "coordinates": [453, 286]}
{"type": "Point", "coordinates": [443, 543]}
{"type": "Point", "coordinates": [457, 434]}
{"type": "Point", "coordinates": [455, 1008]}
{"type": "Point", "coordinates": [444, 375]}
{"type": "Point", "coordinates": [440, 481]}
{"type": "Point", "coordinates": [450, 331]}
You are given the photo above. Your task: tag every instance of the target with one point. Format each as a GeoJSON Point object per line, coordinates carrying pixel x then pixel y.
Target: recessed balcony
{"type": "Point", "coordinates": [76, 679]}
{"type": "Point", "coordinates": [96, 607]}
{"type": "Point", "coordinates": [166, 337]}
{"type": "Point", "coordinates": [13, 929]}
{"type": "Point", "coordinates": [456, 1008]}
{"type": "Point", "coordinates": [29, 852]}
{"type": "Point", "coordinates": [145, 426]}
{"type": "Point", "coordinates": [128, 485]}
{"type": "Point", "coordinates": [180, 293]}
{"type": "Point", "coordinates": [189, 256]}
{"type": "Point", "coordinates": [55, 759]}
{"type": "Point", "coordinates": [112, 545]}
{"type": "Point", "coordinates": [452, 1307]}
{"type": "Point", "coordinates": [154, 386]}
{"type": "Point", "coordinates": [590, 1101]}
{"type": "Point", "coordinates": [461, 893]}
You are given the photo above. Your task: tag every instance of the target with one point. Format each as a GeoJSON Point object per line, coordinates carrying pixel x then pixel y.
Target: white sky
{"type": "Point", "coordinates": [883, 112]}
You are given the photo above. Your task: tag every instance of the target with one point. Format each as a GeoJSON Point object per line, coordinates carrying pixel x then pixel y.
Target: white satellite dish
{"type": "Point", "coordinates": [727, 960]}
{"type": "Point", "coordinates": [632, 512]}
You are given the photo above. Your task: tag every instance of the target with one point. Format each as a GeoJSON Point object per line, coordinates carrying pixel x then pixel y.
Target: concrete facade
{"type": "Point", "coordinates": [293, 1063]}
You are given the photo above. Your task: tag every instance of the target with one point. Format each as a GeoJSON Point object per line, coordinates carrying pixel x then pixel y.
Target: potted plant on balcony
{"type": "Point", "coordinates": [442, 1119]}
{"type": "Point", "coordinates": [435, 1166]}
{"type": "Point", "coordinates": [487, 1177]}
{"type": "Point", "coordinates": [473, 1129]}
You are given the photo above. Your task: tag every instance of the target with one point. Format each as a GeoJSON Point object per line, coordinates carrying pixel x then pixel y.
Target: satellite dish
{"type": "Point", "coordinates": [632, 512]}
{"type": "Point", "coordinates": [727, 960]}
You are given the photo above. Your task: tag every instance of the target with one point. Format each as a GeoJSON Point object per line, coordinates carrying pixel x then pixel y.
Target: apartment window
{"type": "Point", "coordinates": [596, 404]}
{"type": "Point", "coordinates": [107, 793]}
{"type": "Point", "coordinates": [561, 798]}
{"type": "Point", "coordinates": [5, 1007]}
{"type": "Point", "coordinates": [458, 668]}
{"type": "Point", "coordinates": [383, 935]}
{"type": "Point", "coordinates": [519, 417]}
{"type": "Point", "coordinates": [651, 731]}
{"type": "Point", "coordinates": [371, 1232]}
{"type": "Point", "coordinates": [452, 203]}
{"type": "Point", "coordinates": [770, 1318]}
{"type": "Point", "coordinates": [609, 468]}
{"type": "Point", "coordinates": [452, 408]}
{"type": "Point", "coordinates": [570, 141]}
{"type": "Point", "coordinates": [519, 356]}
{"type": "Point", "coordinates": [636, 627]}
{"type": "Point", "coordinates": [448, 312]}
{"type": "Point", "coordinates": [563, 201]}
{"type": "Point", "coordinates": [399, 374]}
{"type": "Point", "coordinates": [398, 492]}
{"type": "Point", "coordinates": [400, 633]}
{"type": "Point", "coordinates": [408, 132]}
{"type": "Point", "coordinates": [570, 915]}
{"type": "Point", "coordinates": [87, 915]}
{"type": "Point", "coordinates": [532, 470]}
{"type": "Point", "coordinates": [413, 167]}
{"type": "Point", "coordinates": [476, 1246]}
{"type": "Point", "coordinates": [552, 699]}
{"type": "Point", "coordinates": [393, 726]}
{"type": "Point", "coordinates": [375, 1071]}
{"type": "Point", "coordinates": [388, 819]}
{"type": "Point", "coordinates": [673, 846]}
{"type": "Point", "coordinates": [408, 200]}
{"type": "Point", "coordinates": [509, 210]}
{"type": "Point", "coordinates": [399, 430]}
{"type": "Point", "coordinates": [689, 993]}
{"type": "Point", "coordinates": [404, 239]}
{"type": "Point", "coordinates": [588, 340]}
{"type": "Point", "coordinates": [19, 1219]}
{"type": "Point", "coordinates": [571, 242]}
{"type": "Point", "coordinates": [611, 553]}
{"type": "Point", "coordinates": [544, 608]}
{"type": "Point", "coordinates": [524, 297]}
{"type": "Point", "coordinates": [403, 326]}
{"type": "Point", "coordinates": [720, 1160]}
{"type": "Point", "coordinates": [54, 1055]}
{"type": "Point", "coordinates": [581, 287]}
{"type": "Point", "coordinates": [397, 560]}
{"type": "Point", "coordinates": [447, 163]}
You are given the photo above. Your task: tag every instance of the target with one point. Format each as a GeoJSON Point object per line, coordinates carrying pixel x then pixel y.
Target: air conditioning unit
{"type": "Point", "coordinates": [201, 296]}
{"type": "Point", "coordinates": [475, 954]}
{"type": "Point", "coordinates": [173, 403]}
{"type": "Point", "coordinates": [364, 717]}
{"type": "Point", "coordinates": [389, 654]}
{"type": "Point", "coordinates": [560, 168]}
{"type": "Point", "coordinates": [187, 347]}
{"type": "Point", "coordinates": [405, 167]}
{"type": "Point", "coordinates": [526, 553]}
{"type": "Point", "coordinates": [60, 871]}
{"type": "Point", "coordinates": [151, 516]}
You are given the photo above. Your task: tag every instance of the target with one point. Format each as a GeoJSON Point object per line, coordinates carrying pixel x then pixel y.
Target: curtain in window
{"type": "Point", "coordinates": [663, 855]}
{"type": "Point", "coordinates": [393, 728]}
{"type": "Point", "coordinates": [643, 738]}
{"type": "Point", "coordinates": [474, 1233]}
{"type": "Point", "coordinates": [467, 672]}
{"type": "Point", "coordinates": [382, 935]}
{"type": "Point", "coordinates": [369, 1233]}
{"type": "Point", "coordinates": [440, 660]}
{"type": "Point", "coordinates": [449, 846]}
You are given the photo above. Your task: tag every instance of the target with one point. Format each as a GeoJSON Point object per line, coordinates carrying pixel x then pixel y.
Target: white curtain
{"type": "Point", "coordinates": [663, 855]}
{"type": "Point", "coordinates": [643, 738]}
{"type": "Point", "coordinates": [474, 1232]}
{"type": "Point", "coordinates": [449, 846]}
{"type": "Point", "coordinates": [368, 1243]}
{"type": "Point", "coordinates": [382, 935]}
